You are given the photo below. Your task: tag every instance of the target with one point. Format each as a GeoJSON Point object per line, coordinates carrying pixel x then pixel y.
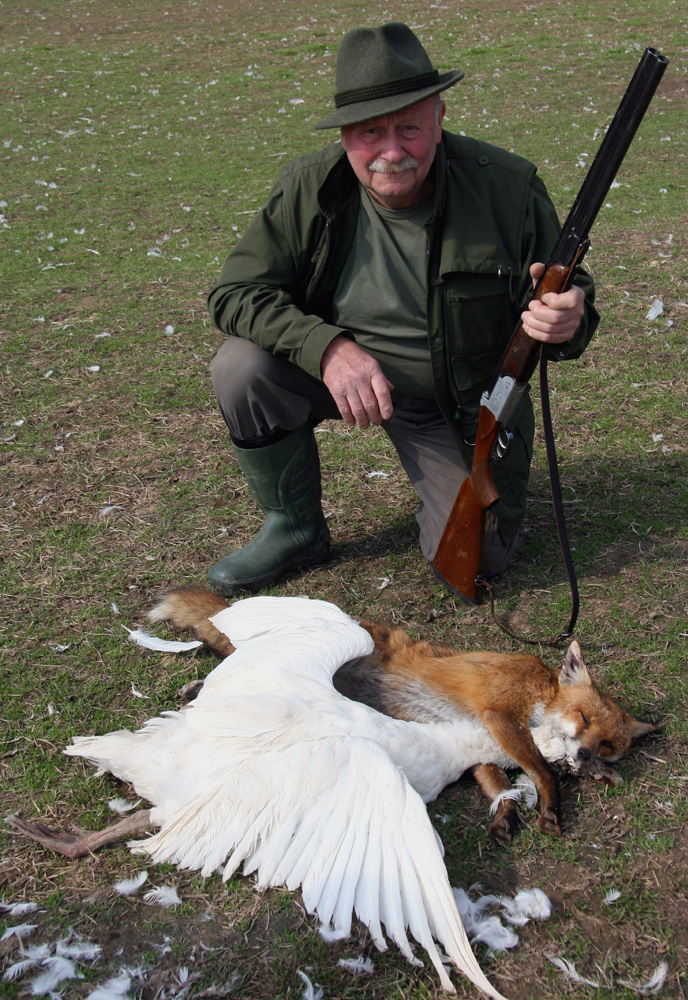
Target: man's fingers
{"type": "Point", "coordinates": [382, 389]}
{"type": "Point", "coordinates": [357, 383]}
{"type": "Point", "coordinates": [536, 271]}
{"type": "Point", "coordinates": [556, 317]}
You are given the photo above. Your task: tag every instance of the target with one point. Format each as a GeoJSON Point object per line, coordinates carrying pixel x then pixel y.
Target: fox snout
{"type": "Point", "coordinates": [583, 754]}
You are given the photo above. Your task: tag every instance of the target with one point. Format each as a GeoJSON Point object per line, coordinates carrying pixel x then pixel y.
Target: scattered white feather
{"type": "Point", "coordinates": [495, 935]}
{"type": "Point", "coordinates": [164, 895]}
{"type": "Point", "coordinates": [18, 969]}
{"type": "Point", "coordinates": [655, 310]}
{"type": "Point", "coordinates": [356, 965]}
{"type": "Point", "coordinates": [55, 970]}
{"type": "Point", "coordinates": [654, 983]}
{"type": "Point", "coordinates": [329, 934]}
{"type": "Point", "coordinates": [383, 582]}
{"type": "Point", "coordinates": [488, 929]}
{"type": "Point", "coordinates": [19, 930]}
{"type": "Point", "coordinates": [108, 509]}
{"type": "Point", "coordinates": [508, 793]}
{"type": "Point", "coordinates": [528, 904]}
{"type": "Point", "coordinates": [32, 956]}
{"type": "Point", "coordinates": [116, 988]}
{"type": "Point", "coordinates": [142, 638]}
{"type": "Point", "coordinates": [378, 474]}
{"type": "Point", "coordinates": [130, 886]}
{"type": "Point", "coordinates": [18, 909]}
{"type": "Point", "coordinates": [611, 896]}
{"type": "Point", "coordinates": [569, 970]}
{"type": "Point", "coordinates": [527, 787]}
{"type": "Point", "coordinates": [309, 993]}
{"type": "Point", "coordinates": [122, 806]}
{"type": "Point", "coordinates": [79, 951]}
{"type": "Point", "coordinates": [36, 951]}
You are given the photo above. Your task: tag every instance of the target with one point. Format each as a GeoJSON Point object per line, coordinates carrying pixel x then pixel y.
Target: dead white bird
{"type": "Point", "coordinates": [270, 768]}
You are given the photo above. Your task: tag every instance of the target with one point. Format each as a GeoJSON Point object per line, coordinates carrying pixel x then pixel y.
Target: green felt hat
{"type": "Point", "coordinates": [381, 70]}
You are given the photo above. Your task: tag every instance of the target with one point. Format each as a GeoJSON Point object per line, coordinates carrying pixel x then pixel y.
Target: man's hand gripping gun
{"type": "Point", "coordinates": [459, 556]}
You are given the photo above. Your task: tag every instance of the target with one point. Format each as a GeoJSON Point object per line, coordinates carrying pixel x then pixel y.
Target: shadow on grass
{"type": "Point", "coordinates": [617, 514]}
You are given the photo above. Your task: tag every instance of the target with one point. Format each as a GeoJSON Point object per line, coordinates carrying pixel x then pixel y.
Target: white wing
{"type": "Point", "coordinates": [256, 616]}
{"type": "Point", "coordinates": [334, 816]}
{"type": "Point", "coordinates": [286, 640]}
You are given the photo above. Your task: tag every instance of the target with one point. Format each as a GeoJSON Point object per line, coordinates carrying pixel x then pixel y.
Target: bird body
{"type": "Point", "coordinates": [270, 768]}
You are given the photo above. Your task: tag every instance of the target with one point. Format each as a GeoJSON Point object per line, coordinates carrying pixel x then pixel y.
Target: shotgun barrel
{"type": "Point", "coordinates": [458, 559]}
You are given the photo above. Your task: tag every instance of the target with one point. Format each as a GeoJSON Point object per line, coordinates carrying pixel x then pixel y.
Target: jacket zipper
{"type": "Point", "coordinates": [324, 257]}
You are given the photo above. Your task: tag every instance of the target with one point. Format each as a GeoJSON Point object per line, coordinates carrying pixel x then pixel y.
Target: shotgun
{"type": "Point", "coordinates": [458, 559]}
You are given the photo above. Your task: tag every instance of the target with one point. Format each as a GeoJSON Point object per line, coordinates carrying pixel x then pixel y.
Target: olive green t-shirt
{"type": "Point", "coordinates": [381, 297]}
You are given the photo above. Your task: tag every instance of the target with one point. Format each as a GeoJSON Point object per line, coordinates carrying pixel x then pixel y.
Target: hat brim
{"type": "Point", "coordinates": [351, 114]}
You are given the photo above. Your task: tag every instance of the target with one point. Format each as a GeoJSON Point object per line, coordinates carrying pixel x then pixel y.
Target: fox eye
{"type": "Point", "coordinates": [586, 720]}
{"type": "Point", "coordinates": [607, 745]}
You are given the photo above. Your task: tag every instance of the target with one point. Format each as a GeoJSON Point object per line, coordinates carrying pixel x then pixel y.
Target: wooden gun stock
{"type": "Point", "coordinates": [459, 555]}
{"type": "Point", "coordinates": [458, 559]}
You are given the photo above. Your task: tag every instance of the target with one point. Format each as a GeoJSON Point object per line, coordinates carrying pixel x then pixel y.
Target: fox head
{"type": "Point", "coordinates": [585, 722]}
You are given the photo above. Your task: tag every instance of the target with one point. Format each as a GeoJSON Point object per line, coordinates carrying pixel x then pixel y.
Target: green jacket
{"type": "Point", "coordinates": [492, 219]}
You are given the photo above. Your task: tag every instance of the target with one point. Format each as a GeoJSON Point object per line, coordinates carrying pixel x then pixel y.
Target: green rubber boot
{"type": "Point", "coordinates": [284, 479]}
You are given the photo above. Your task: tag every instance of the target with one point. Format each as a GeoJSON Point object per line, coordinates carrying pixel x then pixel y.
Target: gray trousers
{"type": "Point", "coordinates": [261, 395]}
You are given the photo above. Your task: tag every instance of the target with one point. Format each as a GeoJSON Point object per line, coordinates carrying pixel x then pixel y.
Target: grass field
{"type": "Point", "coordinates": [138, 138]}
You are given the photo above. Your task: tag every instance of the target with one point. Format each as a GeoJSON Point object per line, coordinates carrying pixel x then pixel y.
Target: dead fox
{"type": "Point", "coordinates": [534, 714]}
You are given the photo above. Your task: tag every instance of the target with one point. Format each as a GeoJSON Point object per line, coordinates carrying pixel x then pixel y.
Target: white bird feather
{"type": "Point", "coordinates": [271, 769]}
{"type": "Point", "coordinates": [115, 988]}
{"type": "Point", "coordinates": [130, 886]}
{"type": "Point", "coordinates": [148, 641]}
{"type": "Point", "coordinates": [55, 970]}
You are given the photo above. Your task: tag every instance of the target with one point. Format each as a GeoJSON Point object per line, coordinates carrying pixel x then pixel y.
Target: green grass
{"type": "Point", "coordinates": [137, 142]}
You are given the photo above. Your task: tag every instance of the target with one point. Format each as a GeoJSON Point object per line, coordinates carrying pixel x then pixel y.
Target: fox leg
{"type": "Point", "coordinates": [516, 740]}
{"type": "Point", "coordinates": [493, 781]}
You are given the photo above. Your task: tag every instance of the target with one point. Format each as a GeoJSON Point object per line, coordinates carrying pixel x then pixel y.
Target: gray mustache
{"type": "Point", "coordinates": [380, 166]}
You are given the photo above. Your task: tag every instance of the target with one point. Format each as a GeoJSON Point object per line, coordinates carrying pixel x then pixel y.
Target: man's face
{"type": "Point", "coordinates": [392, 155]}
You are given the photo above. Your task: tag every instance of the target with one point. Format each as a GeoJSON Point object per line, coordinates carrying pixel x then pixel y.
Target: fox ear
{"type": "Point", "coordinates": [574, 671]}
{"type": "Point", "coordinates": [640, 728]}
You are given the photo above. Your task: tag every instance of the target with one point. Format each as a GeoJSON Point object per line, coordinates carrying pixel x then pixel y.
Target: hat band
{"type": "Point", "coordinates": [376, 91]}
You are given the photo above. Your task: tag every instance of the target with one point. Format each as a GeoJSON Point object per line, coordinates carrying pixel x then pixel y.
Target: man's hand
{"type": "Point", "coordinates": [357, 383]}
{"type": "Point", "coordinates": [555, 319]}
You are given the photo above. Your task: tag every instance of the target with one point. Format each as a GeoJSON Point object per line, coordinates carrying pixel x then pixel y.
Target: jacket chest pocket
{"type": "Point", "coordinates": [479, 320]}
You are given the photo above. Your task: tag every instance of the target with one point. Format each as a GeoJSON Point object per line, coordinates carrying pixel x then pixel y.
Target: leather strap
{"type": "Point", "coordinates": [555, 485]}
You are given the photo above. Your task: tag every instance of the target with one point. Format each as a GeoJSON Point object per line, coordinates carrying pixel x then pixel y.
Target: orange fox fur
{"type": "Point", "coordinates": [514, 695]}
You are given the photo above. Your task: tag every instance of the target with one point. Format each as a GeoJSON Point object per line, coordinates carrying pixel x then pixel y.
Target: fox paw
{"type": "Point", "coordinates": [549, 822]}
{"type": "Point", "coordinates": [503, 826]}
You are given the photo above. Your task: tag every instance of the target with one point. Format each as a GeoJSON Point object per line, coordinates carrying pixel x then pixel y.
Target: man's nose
{"type": "Point", "coordinates": [392, 147]}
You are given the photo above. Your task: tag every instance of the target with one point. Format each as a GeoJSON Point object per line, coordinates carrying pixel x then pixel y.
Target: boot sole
{"type": "Point", "coordinates": [303, 560]}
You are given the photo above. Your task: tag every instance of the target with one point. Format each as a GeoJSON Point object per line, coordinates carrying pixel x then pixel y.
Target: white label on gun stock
{"type": "Point", "coordinates": [504, 398]}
